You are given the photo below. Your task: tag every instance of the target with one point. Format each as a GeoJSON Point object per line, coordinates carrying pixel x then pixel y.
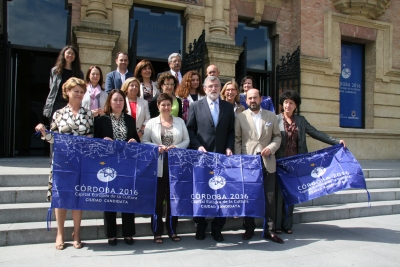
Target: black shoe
{"type": "Point", "coordinates": [128, 241]}
{"type": "Point", "coordinates": [274, 238]}
{"type": "Point", "coordinates": [112, 242]}
{"type": "Point", "coordinates": [248, 235]}
{"type": "Point", "coordinates": [200, 235]}
{"type": "Point", "coordinates": [217, 236]}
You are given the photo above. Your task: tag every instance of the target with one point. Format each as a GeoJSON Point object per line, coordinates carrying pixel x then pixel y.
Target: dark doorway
{"type": "Point", "coordinates": [30, 87]}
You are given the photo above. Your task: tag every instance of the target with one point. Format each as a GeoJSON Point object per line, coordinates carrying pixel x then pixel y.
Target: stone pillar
{"type": "Point", "coordinates": [95, 15]}
{"type": "Point", "coordinates": [218, 29]}
{"type": "Point", "coordinates": [95, 47]}
{"type": "Point", "coordinates": [194, 16]}
{"type": "Point", "coordinates": [120, 22]}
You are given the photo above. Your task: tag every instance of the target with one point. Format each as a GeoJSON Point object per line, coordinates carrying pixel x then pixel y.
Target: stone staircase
{"type": "Point", "coordinates": [23, 209]}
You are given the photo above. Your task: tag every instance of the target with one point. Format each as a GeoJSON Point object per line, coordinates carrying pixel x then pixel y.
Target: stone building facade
{"type": "Point", "coordinates": [100, 28]}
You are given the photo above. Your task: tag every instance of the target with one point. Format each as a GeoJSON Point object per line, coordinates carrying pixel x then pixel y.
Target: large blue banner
{"type": "Point", "coordinates": [351, 86]}
{"type": "Point", "coordinates": [96, 174]}
{"type": "Point", "coordinates": [308, 176]}
{"type": "Point", "coordinates": [215, 185]}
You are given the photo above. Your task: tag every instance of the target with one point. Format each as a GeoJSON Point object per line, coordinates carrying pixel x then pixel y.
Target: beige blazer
{"type": "Point", "coordinates": [142, 112]}
{"type": "Point", "coordinates": [247, 140]}
{"type": "Point", "coordinates": [152, 135]}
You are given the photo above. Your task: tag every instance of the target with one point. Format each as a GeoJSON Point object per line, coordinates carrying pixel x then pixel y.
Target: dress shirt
{"type": "Point", "coordinates": [122, 75]}
{"type": "Point", "coordinates": [211, 106]}
{"type": "Point", "coordinates": [179, 75]}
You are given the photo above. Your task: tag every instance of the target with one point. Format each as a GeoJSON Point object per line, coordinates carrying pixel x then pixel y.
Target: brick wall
{"type": "Point", "coordinates": [392, 16]}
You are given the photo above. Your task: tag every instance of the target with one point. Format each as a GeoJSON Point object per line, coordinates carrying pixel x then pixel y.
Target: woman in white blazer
{"type": "Point", "coordinates": [190, 90]}
{"type": "Point", "coordinates": [138, 108]}
{"type": "Point", "coordinates": [95, 96]}
{"type": "Point", "coordinates": [166, 132]}
{"type": "Point", "coordinates": [144, 72]}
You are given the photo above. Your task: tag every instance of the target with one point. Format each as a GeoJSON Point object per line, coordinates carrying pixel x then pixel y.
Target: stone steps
{"type": "Point", "coordinates": [23, 209]}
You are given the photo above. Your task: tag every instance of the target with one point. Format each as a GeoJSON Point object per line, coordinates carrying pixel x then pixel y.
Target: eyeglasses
{"type": "Point", "coordinates": [172, 84]}
{"type": "Point", "coordinates": [213, 86]}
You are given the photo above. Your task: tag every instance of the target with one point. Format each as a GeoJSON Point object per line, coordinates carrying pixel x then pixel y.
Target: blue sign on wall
{"type": "Point", "coordinates": [351, 86]}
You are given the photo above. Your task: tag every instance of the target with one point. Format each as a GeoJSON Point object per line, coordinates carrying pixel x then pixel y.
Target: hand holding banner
{"type": "Point", "coordinates": [215, 185]}
{"type": "Point", "coordinates": [97, 174]}
{"type": "Point", "coordinates": [308, 176]}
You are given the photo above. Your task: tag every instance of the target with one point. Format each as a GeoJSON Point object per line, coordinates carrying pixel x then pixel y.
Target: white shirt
{"type": "Point", "coordinates": [209, 101]}
{"type": "Point", "coordinates": [257, 124]}
{"type": "Point", "coordinates": [122, 75]}
{"type": "Point", "coordinates": [179, 75]}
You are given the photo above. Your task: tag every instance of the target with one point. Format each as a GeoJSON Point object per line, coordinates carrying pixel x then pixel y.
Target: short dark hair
{"type": "Point", "coordinates": [292, 95]}
{"type": "Point", "coordinates": [123, 53]}
{"type": "Point", "coordinates": [107, 106]}
{"type": "Point", "coordinates": [162, 97]}
{"type": "Point", "coordinates": [165, 77]}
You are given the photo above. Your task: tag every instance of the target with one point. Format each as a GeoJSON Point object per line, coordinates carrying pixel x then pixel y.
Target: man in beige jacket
{"type": "Point", "coordinates": [257, 132]}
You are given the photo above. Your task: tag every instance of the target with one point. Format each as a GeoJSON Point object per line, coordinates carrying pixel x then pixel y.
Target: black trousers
{"type": "Point", "coordinates": [216, 225]}
{"type": "Point", "coordinates": [270, 205]}
{"type": "Point", "coordinates": [157, 225]}
{"type": "Point", "coordinates": [110, 224]}
{"type": "Point", "coordinates": [284, 220]}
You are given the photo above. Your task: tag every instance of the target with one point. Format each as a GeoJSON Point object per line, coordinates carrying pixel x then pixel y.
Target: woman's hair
{"type": "Point", "coordinates": [141, 65]}
{"type": "Point", "coordinates": [71, 83]}
{"type": "Point", "coordinates": [244, 79]}
{"type": "Point", "coordinates": [75, 66]}
{"type": "Point", "coordinates": [292, 95]}
{"type": "Point", "coordinates": [165, 77]}
{"type": "Point", "coordinates": [107, 106]}
{"type": "Point", "coordinates": [184, 87]}
{"type": "Point", "coordinates": [101, 76]}
{"type": "Point", "coordinates": [237, 98]}
{"type": "Point", "coordinates": [126, 84]}
{"type": "Point", "coordinates": [162, 97]}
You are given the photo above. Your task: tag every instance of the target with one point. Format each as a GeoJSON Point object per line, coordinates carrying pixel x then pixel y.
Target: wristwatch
{"type": "Point", "coordinates": [141, 131]}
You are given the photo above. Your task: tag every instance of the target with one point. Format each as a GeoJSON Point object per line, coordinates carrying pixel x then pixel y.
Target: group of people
{"type": "Point", "coordinates": [176, 111]}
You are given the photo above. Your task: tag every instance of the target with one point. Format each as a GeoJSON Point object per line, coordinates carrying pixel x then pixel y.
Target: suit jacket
{"type": "Point", "coordinates": [202, 131]}
{"type": "Point", "coordinates": [169, 71]}
{"type": "Point", "coordinates": [113, 80]}
{"type": "Point", "coordinates": [142, 112]}
{"type": "Point", "coordinates": [103, 127]}
{"type": "Point", "coordinates": [152, 135]}
{"type": "Point", "coordinates": [248, 142]}
{"type": "Point", "coordinates": [154, 112]}
{"type": "Point", "coordinates": [304, 127]}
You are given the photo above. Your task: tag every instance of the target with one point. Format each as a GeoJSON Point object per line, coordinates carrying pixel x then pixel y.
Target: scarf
{"type": "Point", "coordinates": [94, 96]}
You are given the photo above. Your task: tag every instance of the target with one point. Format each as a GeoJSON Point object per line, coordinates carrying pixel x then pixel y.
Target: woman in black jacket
{"type": "Point", "coordinates": [116, 125]}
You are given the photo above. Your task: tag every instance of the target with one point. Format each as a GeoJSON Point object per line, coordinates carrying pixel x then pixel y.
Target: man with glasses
{"type": "Point", "coordinates": [175, 64]}
{"type": "Point", "coordinates": [211, 128]}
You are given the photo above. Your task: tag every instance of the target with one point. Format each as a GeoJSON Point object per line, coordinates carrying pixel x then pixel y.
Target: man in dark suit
{"type": "Point", "coordinates": [116, 78]}
{"type": "Point", "coordinates": [211, 128]}
{"type": "Point", "coordinates": [175, 64]}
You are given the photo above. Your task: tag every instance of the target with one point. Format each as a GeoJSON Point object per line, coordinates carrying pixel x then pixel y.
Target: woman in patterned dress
{"type": "Point", "coordinates": [76, 120]}
{"type": "Point", "coordinates": [166, 132]}
{"type": "Point", "coordinates": [116, 124]}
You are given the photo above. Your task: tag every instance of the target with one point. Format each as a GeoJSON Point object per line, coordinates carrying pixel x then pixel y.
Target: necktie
{"type": "Point", "coordinates": [214, 112]}
{"type": "Point", "coordinates": [176, 76]}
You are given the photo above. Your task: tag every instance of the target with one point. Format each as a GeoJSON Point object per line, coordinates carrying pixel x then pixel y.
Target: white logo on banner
{"type": "Point", "coordinates": [346, 73]}
{"type": "Point", "coordinates": [318, 172]}
{"type": "Point", "coordinates": [106, 174]}
{"type": "Point", "coordinates": [217, 182]}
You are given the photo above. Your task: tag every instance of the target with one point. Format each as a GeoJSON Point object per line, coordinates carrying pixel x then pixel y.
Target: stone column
{"type": "Point", "coordinates": [95, 47]}
{"type": "Point", "coordinates": [194, 16]}
{"type": "Point", "coordinates": [120, 22]}
{"type": "Point", "coordinates": [96, 15]}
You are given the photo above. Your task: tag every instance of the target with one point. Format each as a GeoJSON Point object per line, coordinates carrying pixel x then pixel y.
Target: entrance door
{"type": "Point", "coordinates": [159, 33]}
{"type": "Point", "coordinates": [30, 87]}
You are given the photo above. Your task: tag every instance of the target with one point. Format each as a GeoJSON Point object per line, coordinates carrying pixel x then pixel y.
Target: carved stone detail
{"type": "Point", "coordinates": [96, 9]}
{"type": "Point", "coordinates": [362, 8]}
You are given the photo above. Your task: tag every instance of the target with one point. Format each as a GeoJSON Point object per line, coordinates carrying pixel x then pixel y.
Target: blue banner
{"type": "Point", "coordinates": [351, 86]}
{"type": "Point", "coordinates": [308, 176]}
{"type": "Point", "coordinates": [215, 185]}
{"type": "Point", "coordinates": [96, 174]}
